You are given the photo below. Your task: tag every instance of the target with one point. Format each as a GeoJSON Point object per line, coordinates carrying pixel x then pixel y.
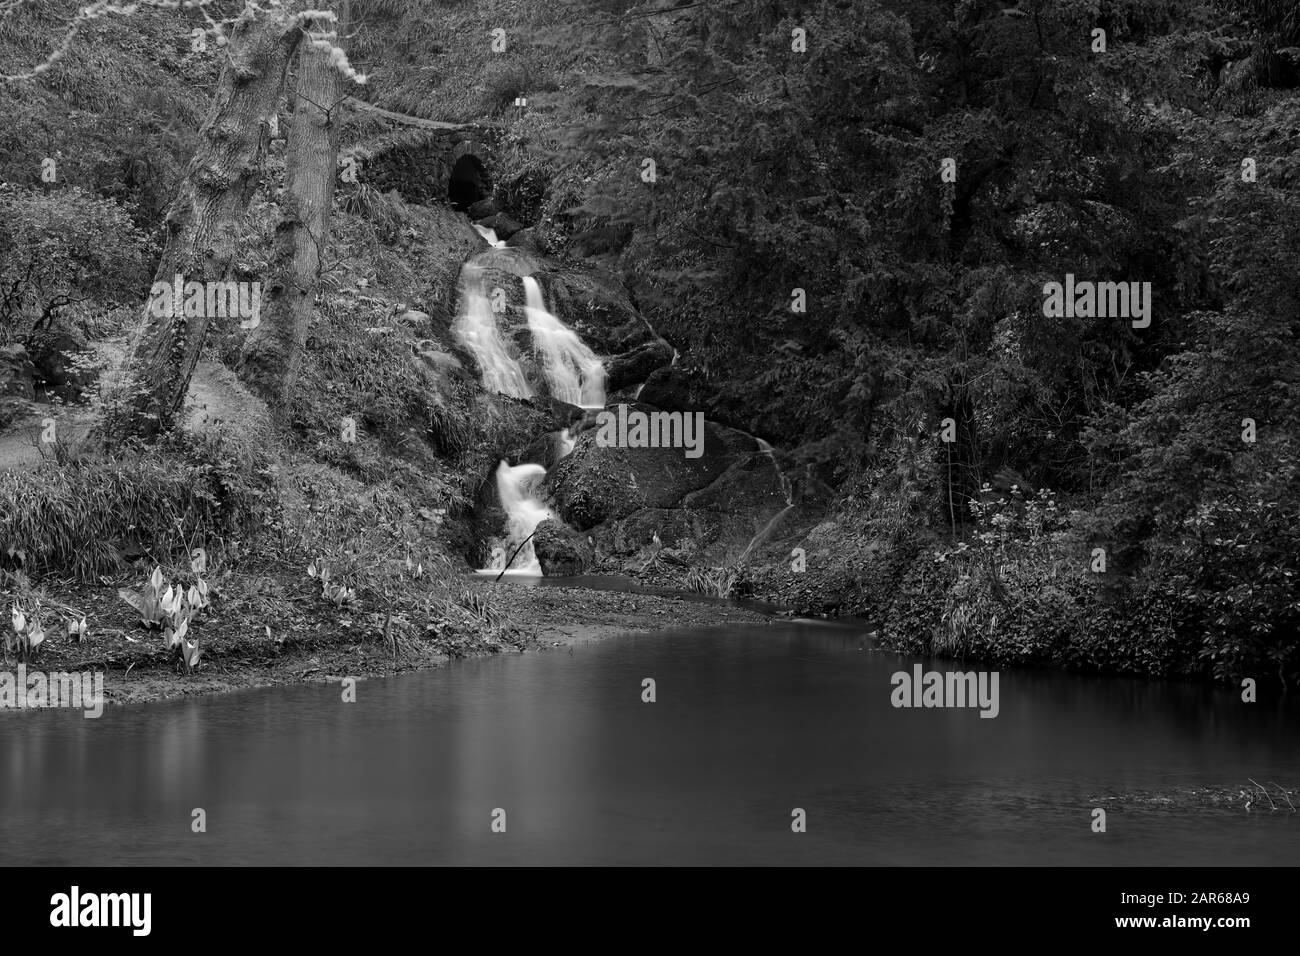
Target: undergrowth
{"type": "Point", "coordinates": [84, 518]}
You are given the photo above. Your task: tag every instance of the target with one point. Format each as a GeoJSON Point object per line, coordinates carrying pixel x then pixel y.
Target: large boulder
{"type": "Point", "coordinates": [715, 509]}
{"type": "Point", "coordinates": [561, 551]}
{"type": "Point", "coordinates": [483, 209]}
{"type": "Point", "coordinates": [672, 389]}
{"type": "Point", "coordinates": [636, 365]}
{"type": "Point", "coordinates": [594, 484]}
{"type": "Point", "coordinates": [717, 524]}
{"type": "Point", "coordinates": [501, 224]}
{"type": "Point", "coordinates": [751, 486]}
{"type": "Point", "coordinates": [527, 240]}
{"type": "Point", "coordinates": [595, 305]}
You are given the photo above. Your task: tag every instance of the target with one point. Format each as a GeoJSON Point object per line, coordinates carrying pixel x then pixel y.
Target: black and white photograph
{"type": "Point", "coordinates": [693, 434]}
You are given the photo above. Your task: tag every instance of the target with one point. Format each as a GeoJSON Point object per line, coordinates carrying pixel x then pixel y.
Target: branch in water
{"type": "Point", "coordinates": [515, 555]}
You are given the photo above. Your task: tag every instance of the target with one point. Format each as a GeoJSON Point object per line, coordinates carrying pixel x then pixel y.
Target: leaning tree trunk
{"type": "Point", "coordinates": [272, 354]}
{"type": "Point", "coordinates": [203, 221]}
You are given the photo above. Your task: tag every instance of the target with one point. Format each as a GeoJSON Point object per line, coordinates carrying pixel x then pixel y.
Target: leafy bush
{"type": "Point", "coordinates": [1235, 565]}
{"type": "Point", "coordinates": [63, 247]}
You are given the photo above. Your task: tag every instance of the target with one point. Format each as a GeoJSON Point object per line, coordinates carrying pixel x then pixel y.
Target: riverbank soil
{"type": "Point", "coordinates": [313, 641]}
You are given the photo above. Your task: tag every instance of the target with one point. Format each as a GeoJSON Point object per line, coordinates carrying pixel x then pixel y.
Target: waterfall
{"type": "Point", "coordinates": [786, 489]}
{"type": "Point", "coordinates": [491, 236]}
{"type": "Point", "coordinates": [477, 330]}
{"type": "Point", "coordinates": [766, 449]}
{"type": "Point", "coordinates": [523, 514]}
{"type": "Point", "coordinates": [575, 373]}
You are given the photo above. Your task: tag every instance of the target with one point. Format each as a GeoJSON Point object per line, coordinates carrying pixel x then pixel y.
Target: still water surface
{"type": "Point", "coordinates": [749, 723]}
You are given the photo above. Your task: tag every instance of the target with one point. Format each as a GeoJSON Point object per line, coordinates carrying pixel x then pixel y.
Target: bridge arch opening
{"type": "Point", "coordinates": [469, 182]}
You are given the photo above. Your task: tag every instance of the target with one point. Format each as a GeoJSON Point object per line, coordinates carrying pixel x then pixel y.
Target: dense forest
{"type": "Point", "coordinates": [850, 230]}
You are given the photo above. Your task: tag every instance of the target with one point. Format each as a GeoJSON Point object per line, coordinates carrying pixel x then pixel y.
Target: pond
{"type": "Point", "coordinates": [748, 724]}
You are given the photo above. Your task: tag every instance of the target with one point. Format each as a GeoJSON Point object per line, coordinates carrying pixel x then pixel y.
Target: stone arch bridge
{"type": "Point", "coordinates": [428, 161]}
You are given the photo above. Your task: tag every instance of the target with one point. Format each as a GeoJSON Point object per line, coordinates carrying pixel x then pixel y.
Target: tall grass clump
{"type": "Point", "coordinates": [82, 518]}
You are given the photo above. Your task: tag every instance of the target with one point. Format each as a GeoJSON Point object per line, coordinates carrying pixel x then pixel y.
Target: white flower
{"type": "Point", "coordinates": [177, 637]}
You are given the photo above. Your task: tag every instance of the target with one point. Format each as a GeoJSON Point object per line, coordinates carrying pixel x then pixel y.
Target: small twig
{"type": "Point", "coordinates": [1266, 796]}
{"type": "Point", "coordinates": [1284, 795]}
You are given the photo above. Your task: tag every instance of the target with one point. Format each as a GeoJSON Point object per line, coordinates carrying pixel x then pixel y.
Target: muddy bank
{"type": "Point", "coordinates": [555, 616]}
{"type": "Point", "coordinates": [316, 643]}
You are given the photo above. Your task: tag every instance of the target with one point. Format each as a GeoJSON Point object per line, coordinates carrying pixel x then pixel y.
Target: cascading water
{"type": "Point", "coordinates": [786, 489]}
{"type": "Point", "coordinates": [491, 236]}
{"type": "Point", "coordinates": [766, 449]}
{"type": "Point", "coordinates": [476, 328]}
{"type": "Point", "coordinates": [575, 373]}
{"type": "Point", "coordinates": [523, 514]}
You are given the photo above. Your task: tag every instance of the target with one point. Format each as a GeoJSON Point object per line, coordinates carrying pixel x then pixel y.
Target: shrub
{"type": "Point", "coordinates": [59, 248]}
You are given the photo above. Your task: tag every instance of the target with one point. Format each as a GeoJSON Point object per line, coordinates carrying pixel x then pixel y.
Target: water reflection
{"type": "Point", "coordinates": [749, 723]}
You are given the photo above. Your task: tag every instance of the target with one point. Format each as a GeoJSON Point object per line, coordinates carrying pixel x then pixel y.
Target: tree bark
{"type": "Point", "coordinates": [272, 354]}
{"type": "Point", "coordinates": [202, 223]}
